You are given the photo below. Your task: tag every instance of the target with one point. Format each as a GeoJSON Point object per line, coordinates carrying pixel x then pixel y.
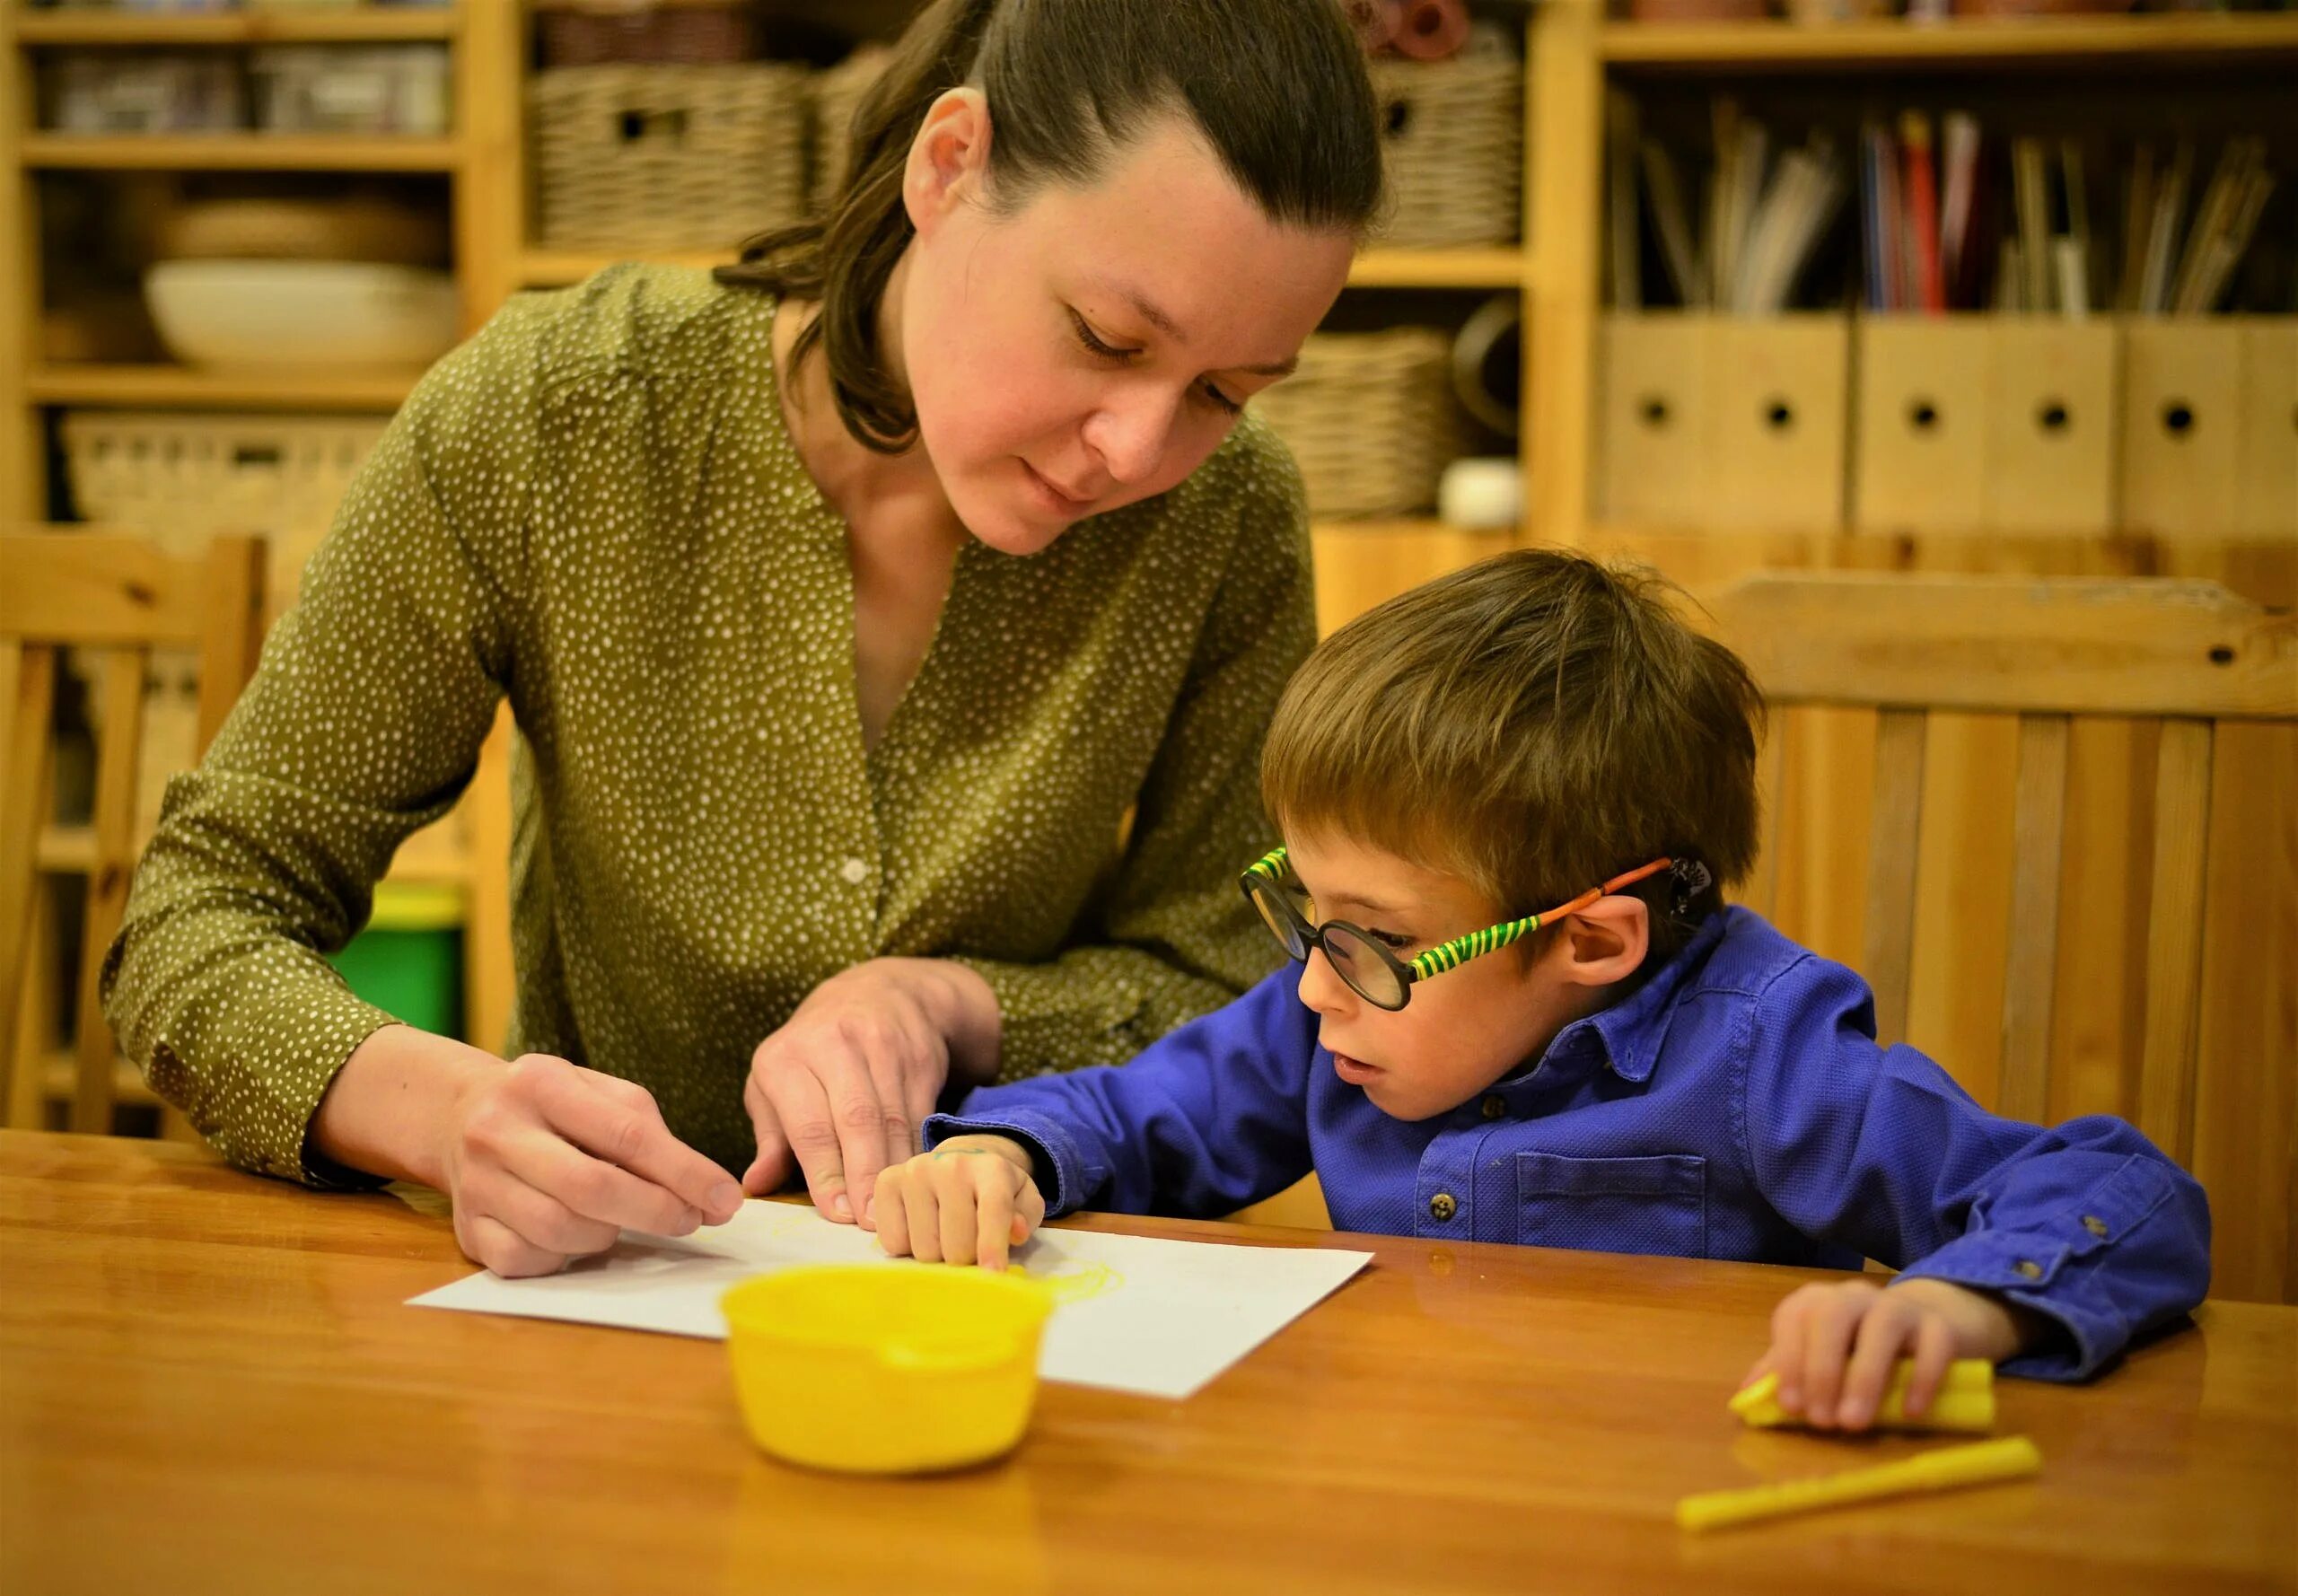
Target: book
{"type": "Point", "coordinates": [1922, 235]}
{"type": "Point", "coordinates": [1674, 224]}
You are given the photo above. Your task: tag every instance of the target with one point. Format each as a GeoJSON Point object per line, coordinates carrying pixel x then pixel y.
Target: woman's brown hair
{"type": "Point", "coordinates": [1276, 88]}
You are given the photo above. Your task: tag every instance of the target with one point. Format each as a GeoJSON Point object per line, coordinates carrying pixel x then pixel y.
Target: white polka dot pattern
{"type": "Point", "coordinates": [594, 507]}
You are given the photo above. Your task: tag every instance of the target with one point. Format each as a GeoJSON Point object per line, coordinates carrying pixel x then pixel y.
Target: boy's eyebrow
{"type": "Point", "coordinates": [1156, 317]}
{"type": "Point", "coordinates": [1369, 905]}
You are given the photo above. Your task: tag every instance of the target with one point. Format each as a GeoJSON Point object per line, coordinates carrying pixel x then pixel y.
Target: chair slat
{"type": "Point", "coordinates": [2167, 1062]}
{"type": "Point", "coordinates": [233, 636]}
{"type": "Point", "coordinates": [2039, 841]}
{"type": "Point", "coordinates": [26, 693]}
{"type": "Point", "coordinates": [118, 755]}
{"type": "Point", "coordinates": [92, 589]}
{"type": "Point", "coordinates": [2012, 644]}
{"type": "Point", "coordinates": [1891, 851]}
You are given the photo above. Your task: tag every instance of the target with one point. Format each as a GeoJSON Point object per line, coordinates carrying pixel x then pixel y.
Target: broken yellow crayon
{"type": "Point", "coordinates": [1965, 1401]}
{"type": "Point", "coordinates": [1982, 1462]}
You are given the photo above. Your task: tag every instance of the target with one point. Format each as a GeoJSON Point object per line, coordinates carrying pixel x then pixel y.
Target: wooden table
{"type": "Point", "coordinates": [208, 1382]}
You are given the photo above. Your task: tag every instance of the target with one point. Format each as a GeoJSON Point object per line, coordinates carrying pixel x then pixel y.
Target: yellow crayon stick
{"type": "Point", "coordinates": [1965, 1401]}
{"type": "Point", "coordinates": [1982, 1462]}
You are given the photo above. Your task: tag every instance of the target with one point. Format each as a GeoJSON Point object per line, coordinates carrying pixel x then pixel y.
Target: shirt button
{"type": "Point", "coordinates": [1441, 1206]}
{"type": "Point", "coordinates": [1493, 1107]}
{"type": "Point", "coordinates": [2094, 1224]}
{"type": "Point", "coordinates": [855, 870]}
{"type": "Point", "coordinates": [2030, 1269]}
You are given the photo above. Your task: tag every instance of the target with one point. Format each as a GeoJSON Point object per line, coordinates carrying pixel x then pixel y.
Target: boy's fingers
{"type": "Point", "coordinates": [993, 1228]}
{"type": "Point", "coordinates": [1935, 1348]}
{"type": "Point", "coordinates": [1827, 1342]}
{"type": "Point", "coordinates": [1755, 1370]}
{"type": "Point", "coordinates": [1786, 1353]}
{"type": "Point", "coordinates": [892, 1226]}
{"type": "Point", "coordinates": [1882, 1333]}
{"type": "Point", "coordinates": [921, 1220]}
{"type": "Point", "coordinates": [961, 1208]}
{"type": "Point", "coordinates": [1031, 1205]}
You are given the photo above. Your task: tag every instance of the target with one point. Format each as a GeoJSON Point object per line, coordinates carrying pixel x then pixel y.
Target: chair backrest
{"type": "Point", "coordinates": [112, 597]}
{"type": "Point", "coordinates": [2186, 654]}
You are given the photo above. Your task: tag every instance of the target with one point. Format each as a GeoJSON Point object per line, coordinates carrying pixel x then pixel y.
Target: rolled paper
{"type": "Point", "coordinates": [1431, 30]}
{"type": "Point", "coordinates": [1965, 1401]}
{"type": "Point", "coordinates": [1983, 1462]}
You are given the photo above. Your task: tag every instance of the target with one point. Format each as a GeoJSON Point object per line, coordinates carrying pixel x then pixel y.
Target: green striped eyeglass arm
{"type": "Point", "coordinates": [1442, 957]}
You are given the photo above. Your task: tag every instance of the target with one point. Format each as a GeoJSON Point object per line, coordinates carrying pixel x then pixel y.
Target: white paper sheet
{"type": "Point", "coordinates": [1132, 1313]}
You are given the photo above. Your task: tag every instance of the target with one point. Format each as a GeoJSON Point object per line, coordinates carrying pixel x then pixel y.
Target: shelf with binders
{"type": "Point", "coordinates": [1970, 315]}
{"type": "Point", "coordinates": [2199, 40]}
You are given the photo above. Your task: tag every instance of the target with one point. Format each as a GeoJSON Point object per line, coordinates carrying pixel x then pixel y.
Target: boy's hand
{"type": "Point", "coordinates": [1834, 1346]}
{"type": "Point", "coordinates": [968, 1201]}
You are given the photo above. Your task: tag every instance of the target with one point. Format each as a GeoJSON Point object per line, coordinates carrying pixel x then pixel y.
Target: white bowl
{"type": "Point", "coordinates": [301, 315]}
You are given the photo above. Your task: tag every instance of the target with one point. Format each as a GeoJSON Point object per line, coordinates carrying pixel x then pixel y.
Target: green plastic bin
{"type": "Point", "coordinates": [409, 959]}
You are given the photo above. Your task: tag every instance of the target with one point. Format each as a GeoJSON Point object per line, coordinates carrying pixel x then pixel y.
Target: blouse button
{"type": "Point", "coordinates": [1494, 1107]}
{"type": "Point", "coordinates": [1441, 1206]}
{"type": "Point", "coordinates": [2030, 1269]}
{"type": "Point", "coordinates": [855, 871]}
{"type": "Point", "coordinates": [2094, 1224]}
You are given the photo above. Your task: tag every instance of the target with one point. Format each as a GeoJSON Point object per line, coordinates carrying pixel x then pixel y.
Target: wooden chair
{"type": "Point", "coordinates": [2186, 656]}
{"type": "Point", "coordinates": [116, 598]}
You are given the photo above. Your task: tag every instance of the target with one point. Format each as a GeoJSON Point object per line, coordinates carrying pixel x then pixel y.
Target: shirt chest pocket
{"type": "Point", "coordinates": [1655, 1206]}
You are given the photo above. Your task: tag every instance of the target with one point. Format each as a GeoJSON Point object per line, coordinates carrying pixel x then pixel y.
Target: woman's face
{"type": "Point", "coordinates": [1094, 347]}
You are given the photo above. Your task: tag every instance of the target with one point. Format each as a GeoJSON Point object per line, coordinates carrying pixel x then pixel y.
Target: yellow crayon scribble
{"type": "Point", "coordinates": [1074, 1282]}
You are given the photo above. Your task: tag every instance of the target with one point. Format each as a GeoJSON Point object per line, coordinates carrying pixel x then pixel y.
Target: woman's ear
{"type": "Point", "coordinates": [949, 159]}
{"type": "Point", "coordinates": [1606, 941]}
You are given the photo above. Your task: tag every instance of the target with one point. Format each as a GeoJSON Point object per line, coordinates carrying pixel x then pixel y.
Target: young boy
{"type": "Point", "coordinates": [1640, 1069]}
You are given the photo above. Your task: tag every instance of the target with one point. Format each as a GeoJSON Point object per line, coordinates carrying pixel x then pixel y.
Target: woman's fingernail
{"type": "Point", "coordinates": [726, 1198]}
{"type": "Point", "coordinates": [841, 1207]}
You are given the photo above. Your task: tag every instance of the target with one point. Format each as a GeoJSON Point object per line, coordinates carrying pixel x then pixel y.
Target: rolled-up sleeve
{"type": "Point", "coordinates": [363, 724]}
{"type": "Point", "coordinates": [2087, 1223]}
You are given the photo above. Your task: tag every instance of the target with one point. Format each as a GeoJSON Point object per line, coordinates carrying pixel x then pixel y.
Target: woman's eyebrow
{"type": "Point", "coordinates": [1148, 312]}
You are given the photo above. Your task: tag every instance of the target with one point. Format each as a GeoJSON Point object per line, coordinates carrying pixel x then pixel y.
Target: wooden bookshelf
{"type": "Point", "coordinates": [311, 25]}
{"type": "Point", "coordinates": [1439, 269]}
{"type": "Point", "coordinates": [177, 387]}
{"type": "Point", "coordinates": [2230, 39]}
{"type": "Point", "coordinates": [1499, 269]}
{"type": "Point", "coordinates": [237, 151]}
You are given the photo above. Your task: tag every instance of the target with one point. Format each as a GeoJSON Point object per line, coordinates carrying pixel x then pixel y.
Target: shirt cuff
{"type": "Point", "coordinates": [2060, 1266]}
{"type": "Point", "coordinates": [1064, 1176]}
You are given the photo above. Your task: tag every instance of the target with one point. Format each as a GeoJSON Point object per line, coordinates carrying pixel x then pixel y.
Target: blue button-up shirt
{"type": "Point", "coordinates": [1735, 1106]}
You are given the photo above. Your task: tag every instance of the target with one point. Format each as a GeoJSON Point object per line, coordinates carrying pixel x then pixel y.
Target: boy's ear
{"type": "Point", "coordinates": [948, 158]}
{"type": "Point", "coordinates": [1606, 941]}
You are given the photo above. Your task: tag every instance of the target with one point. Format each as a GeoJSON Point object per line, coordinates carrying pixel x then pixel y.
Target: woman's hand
{"type": "Point", "coordinates": [547, 1160]}
{"type": "Point", "coordinates": [971, 1200]}
{"type": "Point", "coordinates": [843, 1087]}
{"type": "Point", "coordinates": [1834, 1346]}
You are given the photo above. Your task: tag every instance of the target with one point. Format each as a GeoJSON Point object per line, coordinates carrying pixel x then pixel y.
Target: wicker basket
{"type": "Point", "coordinates": [668, 157]}
{"type": "Point", "coordinates": [838, 96]}
{"type": "Point", "coordinates": [1454, 136]}
{"type": "Point", "coordinates": [179, 480]}
{"type": "Point", "coordinates": [1372, 419]}
{"type": "Point", "coordinates": [699, 33]}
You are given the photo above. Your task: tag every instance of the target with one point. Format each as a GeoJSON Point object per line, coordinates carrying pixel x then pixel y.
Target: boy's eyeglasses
{"type": "Point", "coordinates": [1374, 972]}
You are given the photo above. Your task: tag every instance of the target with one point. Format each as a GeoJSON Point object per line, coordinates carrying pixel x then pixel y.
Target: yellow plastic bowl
{"type": "Point", "coordinates": [876, 1370]}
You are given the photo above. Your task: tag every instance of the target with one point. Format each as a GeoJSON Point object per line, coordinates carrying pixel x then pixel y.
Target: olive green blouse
{"type": "Point", "coordinates": [594, 507]}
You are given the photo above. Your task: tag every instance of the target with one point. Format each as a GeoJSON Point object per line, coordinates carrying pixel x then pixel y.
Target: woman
{"type": "Point", "coordinates": [845, 606]}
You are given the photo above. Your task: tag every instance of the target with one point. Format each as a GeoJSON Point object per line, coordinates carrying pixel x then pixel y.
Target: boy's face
{"type": "Point", "coordinates": [1460, 1031]}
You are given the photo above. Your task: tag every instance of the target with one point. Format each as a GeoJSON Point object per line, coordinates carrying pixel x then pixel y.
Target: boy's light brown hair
{"type": "Point", "coordinates": [1534, 725]}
